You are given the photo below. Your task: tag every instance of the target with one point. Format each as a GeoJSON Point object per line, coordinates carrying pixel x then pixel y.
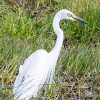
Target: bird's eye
{"type": "Point", "coordinates": [69, 15]}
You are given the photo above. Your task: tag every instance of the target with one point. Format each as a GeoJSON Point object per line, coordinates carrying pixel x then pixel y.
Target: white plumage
{"type": "Point", "coordinates": [39, 67]}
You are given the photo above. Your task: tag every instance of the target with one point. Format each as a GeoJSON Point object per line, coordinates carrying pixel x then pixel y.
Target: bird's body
{"type": "Point", "coordinates": [33, 77]}
{"type": "Point", "coordinates": [38, 69]}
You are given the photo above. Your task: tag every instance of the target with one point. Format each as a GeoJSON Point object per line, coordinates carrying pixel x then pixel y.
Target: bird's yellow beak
{"type": "Point", "coordinates": [79, 19]}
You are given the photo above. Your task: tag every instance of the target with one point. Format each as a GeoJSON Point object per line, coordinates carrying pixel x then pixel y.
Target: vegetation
{"type": "Point", "coordinates": [27, 26]}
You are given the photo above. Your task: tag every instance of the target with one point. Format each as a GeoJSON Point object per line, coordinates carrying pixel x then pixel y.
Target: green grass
{"type": "Point", "coordinates": [20, 35]}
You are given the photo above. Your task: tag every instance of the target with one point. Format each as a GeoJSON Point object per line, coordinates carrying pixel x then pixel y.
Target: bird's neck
{"type": "Point", "coordinates": [60, 37]}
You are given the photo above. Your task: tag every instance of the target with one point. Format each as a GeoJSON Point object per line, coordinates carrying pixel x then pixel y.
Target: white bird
{"type": "Point", "coordinates": [38, 69]}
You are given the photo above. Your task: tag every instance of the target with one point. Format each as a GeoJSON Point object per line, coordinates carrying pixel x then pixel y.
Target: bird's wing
{"type": "Point", "coordinates": [32, 74]}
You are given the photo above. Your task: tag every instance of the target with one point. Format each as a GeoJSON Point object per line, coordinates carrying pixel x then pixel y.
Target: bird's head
{"type": "Point", "coordinates": [66, 14]}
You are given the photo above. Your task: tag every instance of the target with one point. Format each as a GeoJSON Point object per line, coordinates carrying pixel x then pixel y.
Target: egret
{"type": "Point", "coordinates": [38, 69]}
